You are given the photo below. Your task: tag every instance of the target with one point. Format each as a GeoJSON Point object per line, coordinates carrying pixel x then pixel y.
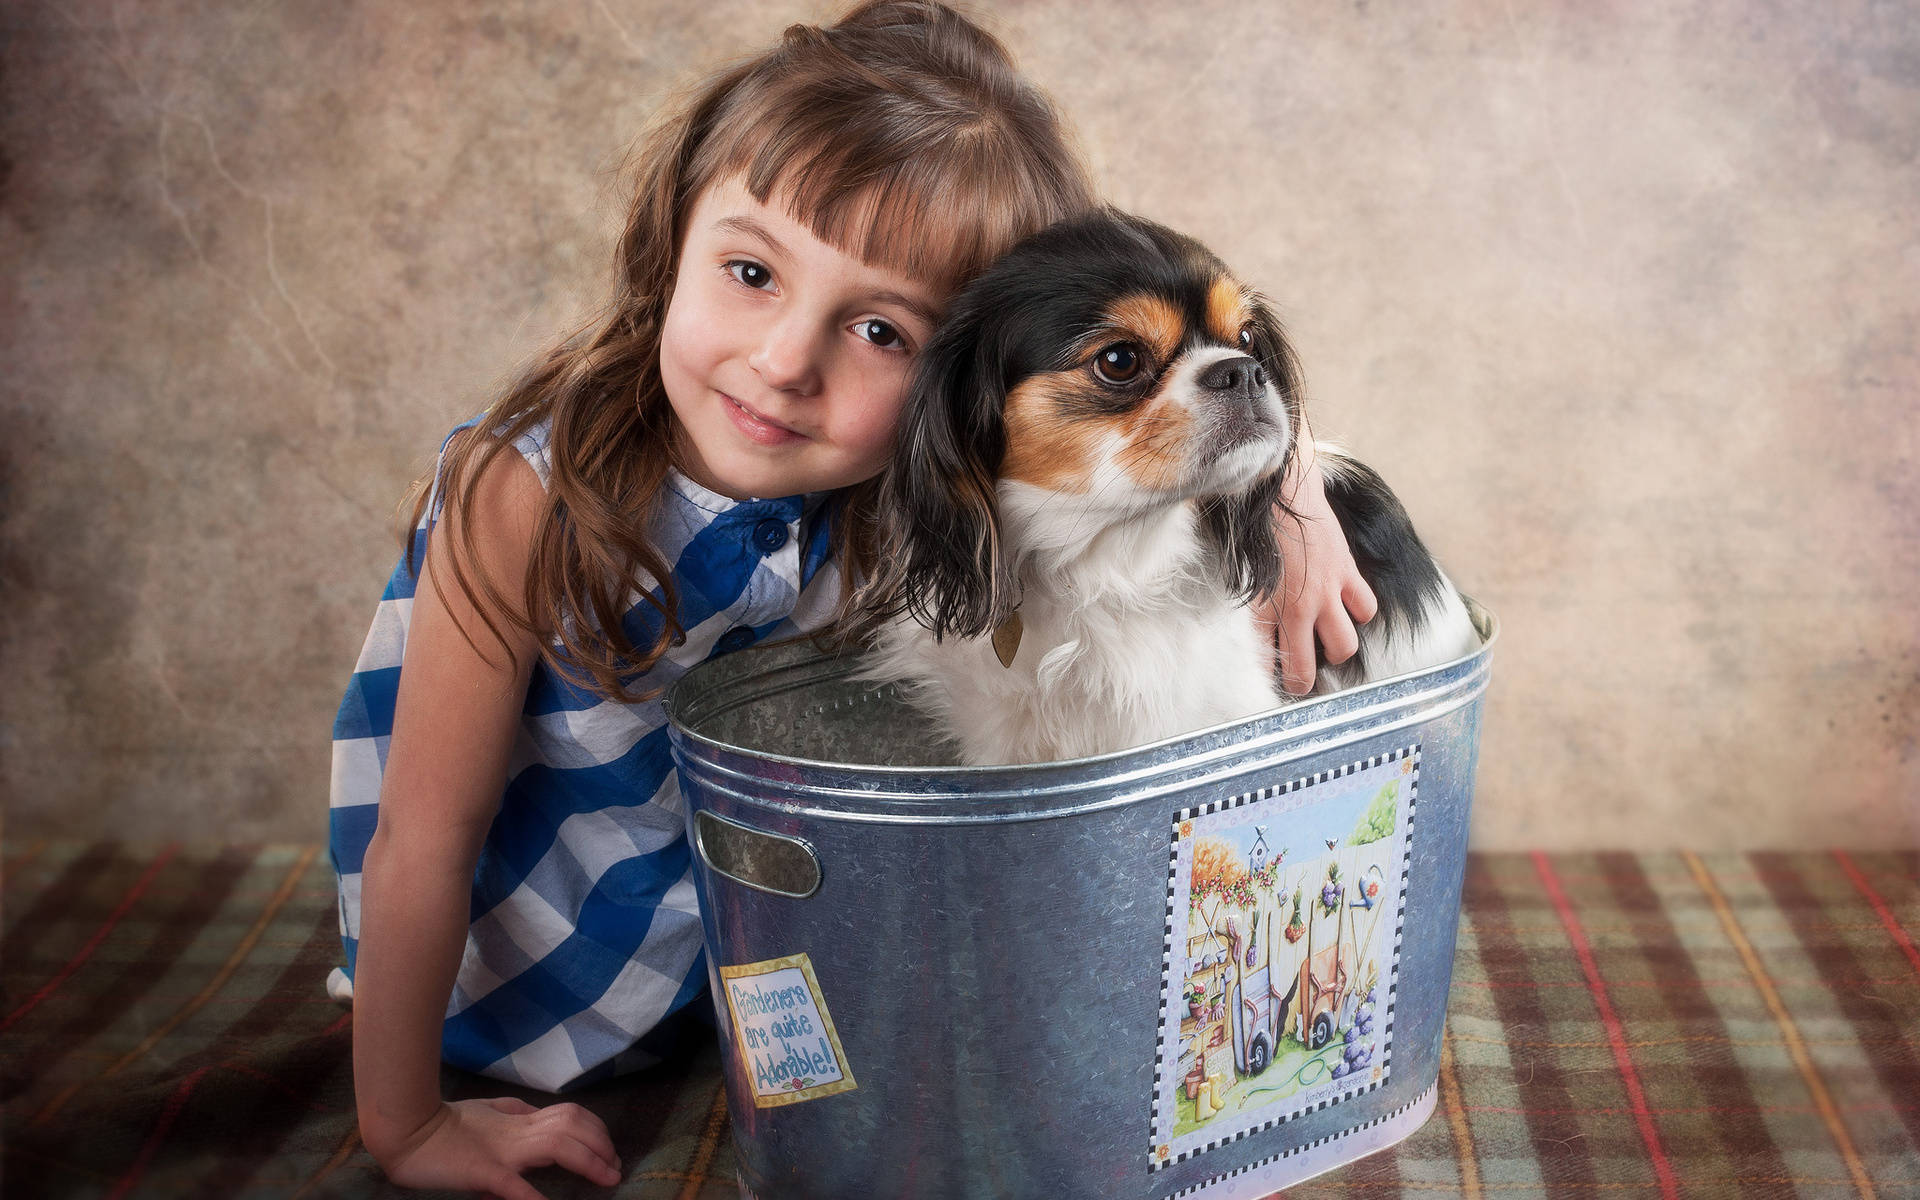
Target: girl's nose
{"type": "Point", "coordinates": [787, 357]}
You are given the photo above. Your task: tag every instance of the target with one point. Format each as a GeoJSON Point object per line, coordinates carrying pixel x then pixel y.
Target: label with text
{"type": "Point", "coordinates": [787, 1045]}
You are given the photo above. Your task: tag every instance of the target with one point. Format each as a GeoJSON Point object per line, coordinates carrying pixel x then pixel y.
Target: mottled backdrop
{"type": "Point", "coordinates": [1623, 297]}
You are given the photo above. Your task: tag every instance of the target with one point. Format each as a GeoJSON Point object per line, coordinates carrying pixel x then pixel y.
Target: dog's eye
{"type": "Point", "coordinates": [1119, 363]}
{"type": "Point", "coordinates": [1246, 337]}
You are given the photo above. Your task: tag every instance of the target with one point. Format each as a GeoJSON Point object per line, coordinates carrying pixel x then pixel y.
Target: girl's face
{"type": "Point", "coordinates": [785, 359]}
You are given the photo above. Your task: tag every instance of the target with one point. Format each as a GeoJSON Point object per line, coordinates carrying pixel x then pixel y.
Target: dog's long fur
{"type": "Point", "coordinates": [1091, 454]}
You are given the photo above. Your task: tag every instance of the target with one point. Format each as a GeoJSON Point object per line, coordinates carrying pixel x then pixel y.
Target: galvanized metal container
{"type": "Point", "coordinates": [1208, 967]}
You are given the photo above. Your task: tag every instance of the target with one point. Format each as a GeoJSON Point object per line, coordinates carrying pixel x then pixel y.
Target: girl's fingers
{"type": "Point", "coordinates": [558, 1148]}
{"type": "Point", "coordinates": [1359, 599]}
{"type": "Point", "coordinates": [580, 1122]}
{"type": "Point", "coordinates": [575, 1138]}
{"type": "Point", "coordinates": [1338, 639]}
{"type": "Point", "coordinates": [593, 1132]}
{"type": "Point", "coordinates": [584, 1127]}
{"type": "Point", "coordinates": [592, 1162]}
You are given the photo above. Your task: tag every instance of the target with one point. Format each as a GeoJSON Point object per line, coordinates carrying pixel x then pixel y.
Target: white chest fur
{"type": "Point", "coordinates": [1125, 640]}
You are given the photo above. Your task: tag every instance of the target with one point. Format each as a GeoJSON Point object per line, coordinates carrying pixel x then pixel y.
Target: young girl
{"type": "Point", "coordinates": [682, 480]}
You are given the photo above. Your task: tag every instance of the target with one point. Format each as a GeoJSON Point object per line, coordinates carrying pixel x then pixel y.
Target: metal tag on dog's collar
{"type": "Point", "coordinates": [1006, 640]}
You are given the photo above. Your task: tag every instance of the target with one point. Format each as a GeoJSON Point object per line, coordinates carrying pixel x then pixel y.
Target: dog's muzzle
{"type": "Point", "coordinates": [1241, 378]}
{"type": "Point", "coordinates": [1238, 402]}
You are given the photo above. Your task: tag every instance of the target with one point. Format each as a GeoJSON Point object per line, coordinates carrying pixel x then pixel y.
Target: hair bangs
{"type": "Point", "coordinates": [939, 224]}
{"type": "Point", "coordinates": [935, 192]}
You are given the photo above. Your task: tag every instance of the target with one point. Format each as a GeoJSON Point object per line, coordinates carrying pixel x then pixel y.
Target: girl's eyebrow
{"type": "Point", "coordinates": [752, 228]}
{"type": "Point", "coordinates": [916, 307]}
{"type": "Point", "coordinates": [749, 227]}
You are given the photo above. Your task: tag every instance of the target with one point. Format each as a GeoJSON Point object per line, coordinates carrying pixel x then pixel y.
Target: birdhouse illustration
{"type": "Point", "coordinates": [1257, 857]}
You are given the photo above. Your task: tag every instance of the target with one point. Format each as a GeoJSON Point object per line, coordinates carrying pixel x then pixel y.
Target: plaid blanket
{"type": "Point", "coordinates": [1620, 1024]}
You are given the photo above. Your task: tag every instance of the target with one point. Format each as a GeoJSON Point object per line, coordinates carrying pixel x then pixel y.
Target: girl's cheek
{"type": "Point", "coordinates": [879, 421]}
{"type": "Point", "coordinates": [887, 409]}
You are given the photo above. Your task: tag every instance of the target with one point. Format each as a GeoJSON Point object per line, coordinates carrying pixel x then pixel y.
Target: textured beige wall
{"type": "Point", "coordinates": [1623, 298]}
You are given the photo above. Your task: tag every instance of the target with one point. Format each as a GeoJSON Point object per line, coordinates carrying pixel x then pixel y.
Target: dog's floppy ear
{"type": "Point", "coordinates": [1242, 525]}
{"type": "Point", "coordinates": [937, 547]}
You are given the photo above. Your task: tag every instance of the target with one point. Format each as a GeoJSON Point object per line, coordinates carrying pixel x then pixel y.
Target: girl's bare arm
{"type": "Point", "coordinates": [1321, 593]}
{"type": "Point", "coordinates": [454, 725]}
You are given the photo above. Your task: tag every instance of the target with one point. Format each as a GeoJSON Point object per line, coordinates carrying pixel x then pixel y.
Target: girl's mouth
{"type": "Point", "coordinates": [759, 428]}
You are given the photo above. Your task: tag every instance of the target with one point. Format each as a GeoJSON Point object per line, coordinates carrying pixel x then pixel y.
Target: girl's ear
{"type": "Point", "coordinates": [1243, 525]}
{"type": "Point", "coordinates": [937, 528]}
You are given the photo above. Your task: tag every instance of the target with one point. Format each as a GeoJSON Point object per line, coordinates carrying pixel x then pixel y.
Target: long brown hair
{"type": "Point", "coordinates": [901, 134]}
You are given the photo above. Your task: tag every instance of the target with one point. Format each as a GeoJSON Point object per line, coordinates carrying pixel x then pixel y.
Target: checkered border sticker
{"type": "Point", "coordinates": [1235, 814]}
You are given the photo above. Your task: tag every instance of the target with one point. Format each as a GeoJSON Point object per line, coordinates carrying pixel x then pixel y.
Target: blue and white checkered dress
{"type": "Point", "coordinates": [585, 934]}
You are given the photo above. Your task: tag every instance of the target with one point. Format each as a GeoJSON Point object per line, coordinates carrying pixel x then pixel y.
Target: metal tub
{"type": "Point", "coordinates": [1146, 974]}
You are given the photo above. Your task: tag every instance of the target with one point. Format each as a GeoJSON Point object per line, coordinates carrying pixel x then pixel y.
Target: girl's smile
{"type": "Point", "coordinates": [758, 427]}
{"type": "Point", "coordinates": [785, 359]}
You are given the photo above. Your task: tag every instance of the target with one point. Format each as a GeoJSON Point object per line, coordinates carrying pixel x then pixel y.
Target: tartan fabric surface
{"type": "Point", "coordinates": [1620, 1024]}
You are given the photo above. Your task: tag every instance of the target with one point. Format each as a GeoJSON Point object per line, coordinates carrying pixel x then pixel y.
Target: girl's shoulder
{"type": "Point", "coordinates": [531, 444]}
{"type": "Point", "coordinates": [485, 510]}
{"type": "Point", "coordinates": [493, 488]}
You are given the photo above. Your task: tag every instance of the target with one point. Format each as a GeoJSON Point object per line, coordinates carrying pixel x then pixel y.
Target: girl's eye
{"type": "Point", "coordinates": [880, 333]}
{"type": "Point", "coordinates": [750, 273]}
{"type": "Point", "coordinates": [1246, 338]}
{"type": "Point", "coordinates": [1119, 363]}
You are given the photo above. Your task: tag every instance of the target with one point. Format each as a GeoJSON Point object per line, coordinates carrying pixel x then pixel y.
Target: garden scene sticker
{"type": "Point", "coordinates": [1283, 941]}
{"type": "Point", "coordinates": [785, 1037]}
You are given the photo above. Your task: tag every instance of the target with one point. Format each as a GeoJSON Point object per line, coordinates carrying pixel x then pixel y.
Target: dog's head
{"type": "Point", "coordinates": [1103, 370]}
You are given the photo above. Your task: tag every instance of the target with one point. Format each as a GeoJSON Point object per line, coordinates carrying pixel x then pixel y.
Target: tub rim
{"type": "Point", "coordinates": [894, 794]}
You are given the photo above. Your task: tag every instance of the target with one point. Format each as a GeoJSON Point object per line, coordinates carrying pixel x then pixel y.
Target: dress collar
{"type": "Point", "coordinates": [786, 508]}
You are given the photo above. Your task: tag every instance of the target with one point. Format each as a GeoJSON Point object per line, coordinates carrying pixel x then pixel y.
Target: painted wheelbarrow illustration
{"type": "Point", "coordinates": [1259, 1008]}
{"type": "Point", "coordinates": [1327, 995]}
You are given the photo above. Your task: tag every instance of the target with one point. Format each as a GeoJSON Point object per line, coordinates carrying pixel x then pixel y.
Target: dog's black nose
{"type": "Point", "coordinates": [1242, 377]}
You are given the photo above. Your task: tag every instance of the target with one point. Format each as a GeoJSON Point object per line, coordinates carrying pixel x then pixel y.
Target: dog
{"type": "Point", "coordinates": [1081, 507]}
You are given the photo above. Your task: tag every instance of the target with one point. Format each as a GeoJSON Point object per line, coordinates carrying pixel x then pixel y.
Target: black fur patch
{"type": "Point", "coordinates": [1387, 551]}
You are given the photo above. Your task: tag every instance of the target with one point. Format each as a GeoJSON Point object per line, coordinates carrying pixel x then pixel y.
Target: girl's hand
{"type": "Point", "coordinates": [485, 1145]}
{"type": "Point", "coordinates": [1321, 591]}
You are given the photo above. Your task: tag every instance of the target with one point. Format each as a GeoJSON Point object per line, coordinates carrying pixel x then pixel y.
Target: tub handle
{"type": "Point", "coordinates": [767, 862]}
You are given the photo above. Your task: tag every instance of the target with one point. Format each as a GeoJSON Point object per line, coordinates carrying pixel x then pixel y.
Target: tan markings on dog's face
{"type": "Point", "coordinates": [1227, 311]}
{"type": "Point", "coordinates": [1060, 426]}
{"type": "Point", "coordinates": [1152, 321]}
{"type": "Point", "coordinates": [1153, 446]}
{"type": "Point", "coordinates": [1057, 436]}
{"type": "Point", "coordinates": [1048, 444]}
